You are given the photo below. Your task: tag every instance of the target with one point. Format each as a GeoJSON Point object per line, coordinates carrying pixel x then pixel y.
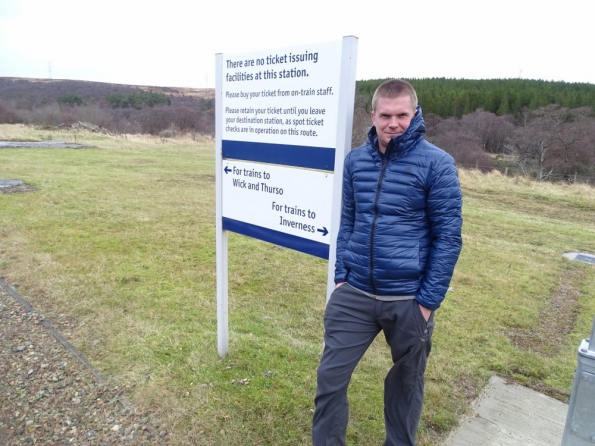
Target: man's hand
{"type": "Point", "coordinates": [426, 312]}
{"type": "Point", "coordinates": [339, 284]}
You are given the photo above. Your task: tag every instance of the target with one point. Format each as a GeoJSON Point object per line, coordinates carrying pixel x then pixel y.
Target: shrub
{"type": "Point", "coordinates": [7, 115]}
{"type": "Point", "coordinates": [70, 99]}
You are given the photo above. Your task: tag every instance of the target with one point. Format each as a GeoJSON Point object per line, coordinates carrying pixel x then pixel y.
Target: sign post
{"type": "Point", "coordinates": [283, 129]}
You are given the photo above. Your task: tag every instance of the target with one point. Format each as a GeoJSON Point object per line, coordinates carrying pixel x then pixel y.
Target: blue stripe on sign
{"type": "Point", "coordinates": [278, 238]}
{"type": "Point", "coordinates": [322, 158]}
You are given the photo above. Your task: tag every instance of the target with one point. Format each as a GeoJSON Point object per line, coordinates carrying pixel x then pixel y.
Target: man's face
{"type": "Point", "coordinates": [391, 118]}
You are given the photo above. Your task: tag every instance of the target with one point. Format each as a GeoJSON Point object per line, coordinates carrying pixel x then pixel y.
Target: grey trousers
{"type": "Point", "coordinates": [351, 322]}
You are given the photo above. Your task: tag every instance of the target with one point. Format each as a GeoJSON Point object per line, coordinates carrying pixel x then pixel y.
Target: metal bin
{"type": "Point", "coordinates": [580, 421]}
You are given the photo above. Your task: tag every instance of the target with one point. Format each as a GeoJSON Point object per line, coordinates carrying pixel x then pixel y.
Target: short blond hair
{"type": "Point", "coordinates": [394, 88]}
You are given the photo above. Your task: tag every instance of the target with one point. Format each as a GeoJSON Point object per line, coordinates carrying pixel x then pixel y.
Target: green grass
{"type": "Point", "coordinates": [121, 240]}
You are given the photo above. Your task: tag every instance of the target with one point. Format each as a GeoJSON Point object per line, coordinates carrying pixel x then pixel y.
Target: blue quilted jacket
{"type": "Point", "coordinates": [400, 232]}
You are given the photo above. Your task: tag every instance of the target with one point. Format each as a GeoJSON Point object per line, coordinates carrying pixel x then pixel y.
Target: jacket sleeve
{"type": "Point", "coordinates": [444, 209]}
{"type": "Point", "coordinates": [347, 221]}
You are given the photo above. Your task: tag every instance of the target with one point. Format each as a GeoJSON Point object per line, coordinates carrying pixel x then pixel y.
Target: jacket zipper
{"type": "Point", "coordinates": [372, 233]}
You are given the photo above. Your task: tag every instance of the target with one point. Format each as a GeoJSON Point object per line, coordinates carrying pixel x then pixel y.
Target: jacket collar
{"type": "Point", "coordinates": [403, 143]}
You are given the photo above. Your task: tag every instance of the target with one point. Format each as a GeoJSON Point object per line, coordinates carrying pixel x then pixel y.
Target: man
{"type": "Point", "coordinates": [398, 243]}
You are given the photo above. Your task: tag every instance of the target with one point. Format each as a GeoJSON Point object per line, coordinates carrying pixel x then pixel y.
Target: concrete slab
{"type": "Point", "coordinates": [512, 415]}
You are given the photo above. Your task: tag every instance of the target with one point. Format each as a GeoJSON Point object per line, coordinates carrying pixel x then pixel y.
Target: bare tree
{"type": "Point", "coordinates": [491, 129]}
{"type": "Point", "coordinates": [463, 144]}
{"type": "Point", "coordinates": [361, 121]}
{"type": "Point", "coordinates": [553, 141]}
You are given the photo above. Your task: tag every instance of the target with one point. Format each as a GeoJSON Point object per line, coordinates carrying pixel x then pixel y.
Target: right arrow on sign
{"type": "Point", "coordinates": [323, 230]}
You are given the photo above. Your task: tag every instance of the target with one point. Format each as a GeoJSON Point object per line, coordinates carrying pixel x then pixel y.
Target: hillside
{"type": "Point", "coordinates": [458, 97]}
{"type": "Point", "coordinates": [115, 107]}
{"type": "Point", "coordinates": [544, 130]}
{"type": "Point", "coordinates": [51, 89]}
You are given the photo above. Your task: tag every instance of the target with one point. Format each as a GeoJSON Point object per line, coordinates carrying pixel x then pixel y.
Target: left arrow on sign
{"type": "Point", "coordinates": [227, 169]}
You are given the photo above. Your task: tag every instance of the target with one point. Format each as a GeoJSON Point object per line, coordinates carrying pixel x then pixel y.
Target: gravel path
{"type": "Point", "coordinates": [49, 397]}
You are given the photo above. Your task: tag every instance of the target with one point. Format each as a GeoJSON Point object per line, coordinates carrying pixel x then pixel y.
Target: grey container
{"type": "Point", "coordinates": [580, 421]}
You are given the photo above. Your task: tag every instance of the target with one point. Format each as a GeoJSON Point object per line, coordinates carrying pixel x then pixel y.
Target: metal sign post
{"type": "Point", "coordinates": [283, 129]}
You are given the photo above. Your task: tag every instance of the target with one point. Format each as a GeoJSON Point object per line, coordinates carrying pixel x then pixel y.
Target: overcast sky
{"type": "Point", "coordinates": [174, 42]}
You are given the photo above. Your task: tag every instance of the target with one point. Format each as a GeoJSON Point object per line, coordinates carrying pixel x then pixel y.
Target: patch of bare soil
{"type": "Point", "coordinates": [49, 397]}
{"type": "Point", "coordinates": [556, 321]}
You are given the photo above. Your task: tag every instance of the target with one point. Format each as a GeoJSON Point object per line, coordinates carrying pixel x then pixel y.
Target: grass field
{"type": "Point", "coordinates": [117, 248]}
